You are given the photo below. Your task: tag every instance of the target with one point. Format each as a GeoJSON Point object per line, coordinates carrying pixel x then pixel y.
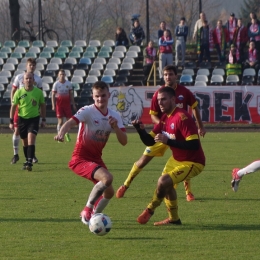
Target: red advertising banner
{"type": "Point", "coordinates": [229, 104]}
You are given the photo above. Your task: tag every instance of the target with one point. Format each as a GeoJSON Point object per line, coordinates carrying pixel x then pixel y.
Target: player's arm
{"type": "Point", "coordinates": [155, 119]}
{"type": "Point", "coordinates": [196, 114]}
{"type": "Point", "coordinates": [12, 111]}
{"type": "Point", "coordinates": [146, 138]}
{"type": "Point", "coordinates": [121, 135]}
{"type": "Point", "coordinates": [72, 101]}
{"type": "Point", "coordinates": [12, 93]}
{"type": "Point", "coordinates": [53, 100]}
{"type": "Point", "coordinates": [65, 128]}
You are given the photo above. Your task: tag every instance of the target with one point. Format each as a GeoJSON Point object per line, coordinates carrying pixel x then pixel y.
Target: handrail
{"type": "Point", "coordinates": [153, 70]}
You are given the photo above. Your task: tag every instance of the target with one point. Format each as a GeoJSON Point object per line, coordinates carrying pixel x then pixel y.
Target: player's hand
{"type": "Point", "coordinates": [202, 131]}
{"type": "Point", "coordinates": [113, 122]}
{"type": "Point", "coordinates": [43, 124]}
{"type": "Point", "coordinates": [161, 138]}
{"type": "Point", "coordinates": [59, 138]}
{"type": "Point", "coordinates": [53, 108]}
{"type": "Point", "coordinates": [137, 124]}
{"type": "Point", "coordinates": [11, 126]}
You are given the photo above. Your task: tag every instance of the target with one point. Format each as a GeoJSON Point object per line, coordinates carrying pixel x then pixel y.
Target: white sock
{"type": "Point", "coordinates": [96, 192]}
{"type": "Point", "coordinates": [58, 128]}
{"type": "Point", "coordinates": [253, 167]}
{"type": "Point", "coordinates": [16, 140]}
{"type": "Point", "coordinates": [101, 205]}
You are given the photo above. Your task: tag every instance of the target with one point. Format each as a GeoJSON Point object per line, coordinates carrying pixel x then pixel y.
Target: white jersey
{"type": "Point", "coordinates": [94, 131]}
{"type": "Point", "coordinates": [18, 81]}
{"type": "Point", "coordinates": [62, 91]}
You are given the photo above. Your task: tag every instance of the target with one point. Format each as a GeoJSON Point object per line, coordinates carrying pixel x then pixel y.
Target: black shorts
{"type": "Point", "coordinates": [30, 125]}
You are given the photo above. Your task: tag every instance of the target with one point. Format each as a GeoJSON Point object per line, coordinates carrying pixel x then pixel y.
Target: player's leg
{"type": "Point", "coordinates": [187, 187]}
{"type": "Point", "coordinates": [68, 115]}
{"type": "Point", "coordinates": [237, 173]}
{"type": "Point", "coordinates": [103, 200]}
{"type": "Point", "coordinates": [59, 124]}
{"type": "Point", "coordinates": [157, 150]}
{"type": "Point", "coordinates": [15, 139]}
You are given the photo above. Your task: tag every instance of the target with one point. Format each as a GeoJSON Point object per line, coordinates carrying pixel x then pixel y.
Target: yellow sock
{"type": "Point", "coordinates": [132, 174]}
{"type": "Point", "coordinates": [172, 207]}
{"type": "Point", "coordinates": [156, 202]}
{"type": "Point", "coordinates": [187, 186]}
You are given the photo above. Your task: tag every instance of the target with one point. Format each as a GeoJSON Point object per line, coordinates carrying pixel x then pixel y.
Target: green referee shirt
{"type": "Point", "coordinates": [28, 102]}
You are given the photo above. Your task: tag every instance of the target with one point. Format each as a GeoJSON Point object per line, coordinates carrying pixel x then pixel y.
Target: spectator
{"type": "Point", "coordinates": [220, 39]}
{"type": "Point", "coordinates": [254, 33]}
{"type": "Point", "coordinates": [231, 26]}
{"type": "Point", "coordinates": [181, 32]}
{"type": "Point", "coordinates": [240, 39]}
{"type": "Point", "coordinates": [252, 60]}
{"type": "Point", "coordinates": [165, 48]}
{"type": "Point", "coordinates": [234, 66]}
{"type": "Point", "coordinates": [149, 54]}
{"type": "Point", "coordinates": [252, 15]}
{"type": "Point", "coordinates": [204, 42]}
{"type": "Point", "coordinates": [162, 29]}
{"type": "Point", "coordinates": [121, 38]}
{"type": "Point", "coordinates": [198, 24]}
{"type": "Point", "coordinates": [136, 35]}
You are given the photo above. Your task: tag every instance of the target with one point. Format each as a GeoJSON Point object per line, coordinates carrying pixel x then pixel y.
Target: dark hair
{"type": "Point", "coordinates": [31, 60]}
{"type": "Point", "coordinates": [100, 85]}
{"type": "Point", "coordinates": [170, 67]}
{"type": "Point", "coordinates": [62, 70]}
{"type": "Point", "coordinates": [170, 91]}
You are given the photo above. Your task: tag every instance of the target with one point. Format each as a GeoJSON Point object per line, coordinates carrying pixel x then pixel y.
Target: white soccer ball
{"type": "Point", "coordinates": [100, 224]}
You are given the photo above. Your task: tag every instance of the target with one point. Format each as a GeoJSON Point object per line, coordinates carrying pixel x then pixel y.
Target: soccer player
{"type": "Point", "coordinates": [29, 99]}
{"type": "Point", "coordinates": [17, 84]}
{"type": "Point", "coordinates": [237, 173]}
{"type": "Point", "coordinates": [178, 130]}
{"type": "Point", "coordinates": [184, 98]}
{"type": "Point", "coordinates": [62, 98]}
{"type": "Point", "coordinates": [95, 125]}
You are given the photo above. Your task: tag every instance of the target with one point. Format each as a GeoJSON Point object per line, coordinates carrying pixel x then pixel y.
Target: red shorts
{"type": "Point", "coordinates": [63, 112]}
{"type": "Point", "coordinates": [85, 169]}
{"type": "Point", "coordinates": [16, 118]}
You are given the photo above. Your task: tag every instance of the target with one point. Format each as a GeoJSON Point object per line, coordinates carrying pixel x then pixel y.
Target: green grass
{"type": "Point", "coordinates": [40, 209]}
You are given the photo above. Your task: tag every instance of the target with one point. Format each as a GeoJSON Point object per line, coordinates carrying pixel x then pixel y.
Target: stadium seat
{"type": "Point", "coordinates": [16, 55]}
{"type": "Point", "coordinates": [132, 54]}
{"type": "Point", "coordinates": [2, 89]}
{"type": "Point", "coordinates": [52, 43]}
{"type": "Point", "coordinates": [12, 61]}
{"type": "Point", "coordinates": [32, 55]}
{"type": "Point", "coordinates": [8, 66]}
{"type": "Point", "coordinates": [68, 73]}
{"type": "Point", "coordinates": [115, 60]}
{"type": "Point", "coordinates": [85, 60]}
{"type": "Point", "coordinates": [63, 49]}
{"type": "Point", "coordinates": [79, 72]}
{"type": "Point", "coordinates": [4, 80]}
{"type": "Point", "coordinates": [118, 84]}
{"type": "Point", "coordinates": [135, 48]}
{"type": "Point", "coordinates": [61, 55]}
{"type": "Point", "coordinates": [77, 79]}
{"type": "Point", "coordinates": [232, 80]}
{"type": "Point", "coordinates": [94, 72]}
{"type": "Point", "coordinates": [1, 62]}
{"type": "Point", "coordinates": [107, 49]}
{"type": "Point", "coordinates": [22, 66]}
{"type": "Point", "coordinates": [97, 66]}
{"type": "Point", "coordinates": [4, 56]}
{"type": "Point", "coordinates": [92, 49]}
{"type": "Point", "coordinates": [186, 80]}
{"type": "Point", "coordinates": [70, 60]}
{"type": "Point", "coordinates": [121, 80]}
{"type": "Point", "coordinates": [247, 80]}
{"type": "Point", "coordinates": [80, 43]}
{"type": "Point", "coordinates": [10, 44]}
{"type": "Point", "coordinates": [126, 66]}
{"type": "Point", "coordinates": [112, 65]}
{"type": "Point", "coordinates": [77, 49]}
{"type": "Point", "coordinates": [109, 72]}
{"type": "Point", "coordinates": [188, 72]}
{"type": "Point", "coordinates": [82, 66]}
{"type": "Point", "coordinates": [68, 66]}
{"type": "Point", "coordinates": [91, 79]}
{"type": "Point", "coordinates": [218, 71]}
{"type": "Point", "coordinates": [75, 86]}
{"type": "Point", "coordinates": [6, 50]}
{"type": "Point", "coordinates": [53, 66]}
{"type": "Point", "coordinates": [129, 60]}
{"type": "Point", "coordinates": [24, 43]}
{"type": "Point", "coordinates": [46, 87]}
{"type": "Point", "coordinates": [66, 43]}
{"type": "Point", "coordinates": [249, 72]}
{"type": "Point", "coordinates": [20, 49]}
{"type": "Point", "coordinates": [87, 86]}
{"type": "Point", "coordinates": [95, 43]}
{"type": "Point", "coordinates": [124, 73]}
{"type": "Point", "coordinates": [217, 80]}
{"type": "Point", "coordinates": [104, 54]}
{"type": "Point", "coordinates": [220, 65]}
{"type": "Point", "coordinates": [38, 43]}
{"type": "Point", "coordinates": [202, 78]}
{"type": "Point", "coordinates": [6, 73]}
{"type": "Point", "coordinates": [50, 73]}
{"type": "Point", "coordinates": [118, 54]}
{"type": "Point", "coordinates": [121, 48]}
{"type": "Point", "coordinates": [108, 79]}
{"type": "Point", "coordinates": [190, 65]}
{"type": "Point", "coordinates": [34, 49]}
{"type": "Point", "coordinates": [47, 79]}
{"type": "Point", "coordinates": [56, 60]}
{"type": "Point", "coordinates": [74, 54]}
{"type": "Point", "coordinates": [100, 60]}
{"type": "Point", "coordinates": [24, 60]}
{"type": "Point", "coordinates": [110, 43]}
{"type": "Point", "coordinates": [203, 72]}
{"type": "Point", "coordinates": [48, 49]}
{"type": "Point", "coordinates": [46, 55]}
{"type": "Point", "coordinates": [42, 61]}
{"type": "Point", "coordinates": [89, 54]}
{"type": "Point", "coordinates": [200, 84]}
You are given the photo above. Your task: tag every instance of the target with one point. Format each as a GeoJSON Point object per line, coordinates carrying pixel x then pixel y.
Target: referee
{"type": "Point", "coordinates": [29, 99]}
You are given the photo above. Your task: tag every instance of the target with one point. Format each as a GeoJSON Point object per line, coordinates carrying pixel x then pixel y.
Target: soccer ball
{"type": "Point", "coordinates": [100, 224]}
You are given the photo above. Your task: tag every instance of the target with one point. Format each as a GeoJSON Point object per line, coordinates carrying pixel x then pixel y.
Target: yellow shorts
{"type": "Point", "coordinates": [158, 149]}
{"type": "Point", "coordinates": [180, 171]}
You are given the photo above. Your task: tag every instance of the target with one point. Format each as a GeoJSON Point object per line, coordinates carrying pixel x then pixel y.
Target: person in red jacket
{"type": "Point", "coordinates": [240, 39]}
{"type": "Point", "coordinates": [220, 39]}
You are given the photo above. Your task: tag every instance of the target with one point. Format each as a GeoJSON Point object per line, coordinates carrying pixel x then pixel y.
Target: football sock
{"type": "Point", "coordinates": [16, 139]}
{"type": "Point", "coordinates": [133, 173]}
{"type": "Point", "coordinates": [253, 167]}
{"type": "Point", "coordinates": [58, 128]}
{"type": "Point", "coordinates": [187, 186]}
{"type": "Point", "coordinates": [172, 208]}
{"type": "Point", "coordinates": [25, 148]}
{"type": "Point", "coordinates": [156, 202]}
{"type": "Point", "coordinates": [96, 192]}
{"type": "Point", "coordinates": [101, 205]}
{"type": "Point", "coordinates": [30, 153]}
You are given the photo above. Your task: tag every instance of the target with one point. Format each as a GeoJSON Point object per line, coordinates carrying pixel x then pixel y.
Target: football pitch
{"type": "Point", "coordinates": [40, 209]}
